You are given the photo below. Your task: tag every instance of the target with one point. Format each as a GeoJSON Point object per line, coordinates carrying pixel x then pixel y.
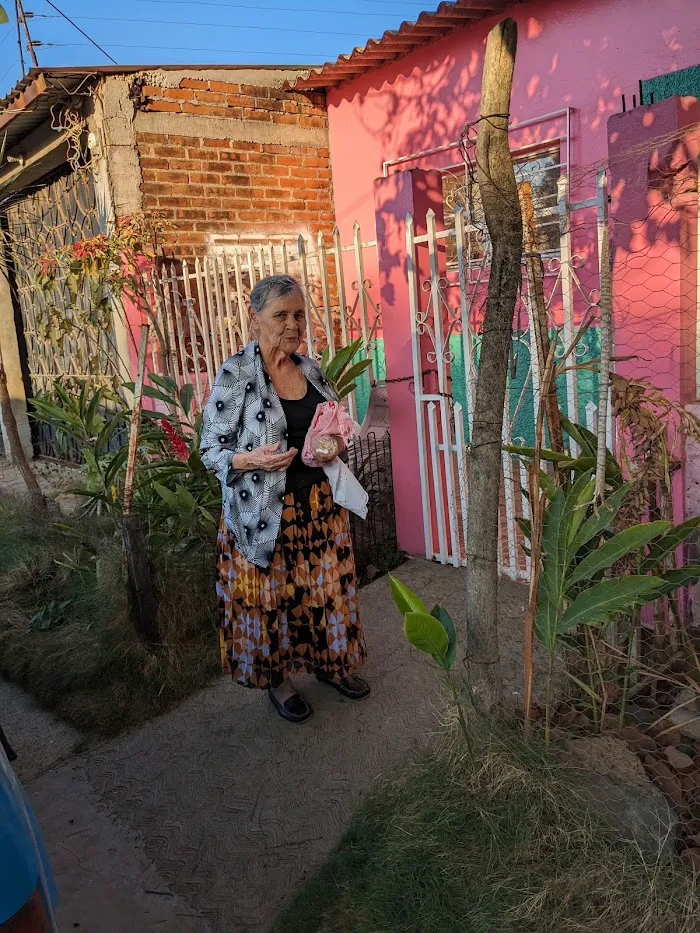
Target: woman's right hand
{"type": "Point", "coordinates": [268, 457]}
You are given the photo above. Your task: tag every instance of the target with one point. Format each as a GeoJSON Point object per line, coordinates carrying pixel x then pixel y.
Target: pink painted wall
{"type": "Point", "coordinates": [573, 53]}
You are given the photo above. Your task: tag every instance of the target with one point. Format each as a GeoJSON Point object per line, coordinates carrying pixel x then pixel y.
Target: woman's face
{"type": "Point", "coordinates": [282, 322]}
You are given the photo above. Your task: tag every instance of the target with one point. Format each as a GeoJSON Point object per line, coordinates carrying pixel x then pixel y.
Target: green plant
{"type": "Point", "coordinates": [92, 421]}
{"type": "Point", "coordinates": [433, 633]}
{"type": "Point", "coordinates": [50, 615]}
{"type": "Point", "coordinates": [180, 497]}
{"type": "Point", "coordinates": [578, 553]}
{"type": "Point", "coordinates": [340, 370]}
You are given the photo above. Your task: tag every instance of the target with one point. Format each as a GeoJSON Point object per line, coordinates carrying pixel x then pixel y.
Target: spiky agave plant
{"type": "Point", "coordinates": [341, 371]}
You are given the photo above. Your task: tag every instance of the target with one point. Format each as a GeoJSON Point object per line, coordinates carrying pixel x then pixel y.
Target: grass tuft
{"type": "Point", "coordinates": [497, 843]}
{"type": "Point", "coordinates": [65, 632]}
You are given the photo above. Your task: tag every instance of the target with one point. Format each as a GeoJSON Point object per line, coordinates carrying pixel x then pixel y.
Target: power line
{"type": "Point", "coordinates": [7, 36]}
{"type": "Point", "coordinates": [177, 48]}
{"type": "Point", "coordinates": [82, 33]}
{"type": "Point", "coordinates": [271, 9]}
{"type": "Point", "coordinates": [15, 62]}
{"type": "Point", "coordinates": [19, 38]}
{"type": "Point", "coordinates": [160, 22]}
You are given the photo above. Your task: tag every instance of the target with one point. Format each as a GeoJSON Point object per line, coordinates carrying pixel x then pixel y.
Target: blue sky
{"type": "Point", "coordinates": [199, 31]}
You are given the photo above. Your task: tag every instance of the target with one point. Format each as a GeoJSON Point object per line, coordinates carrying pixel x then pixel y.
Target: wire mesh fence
{"type": "Point", "coordinates": [374, 539]}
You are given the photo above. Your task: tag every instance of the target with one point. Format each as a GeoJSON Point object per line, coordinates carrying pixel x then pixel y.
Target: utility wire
{"type": "Point", "coordinates": [19, 38]}
{"type": "Point", "coordinates": [91, 41]}
{"type": "Point", "coordinates": [233, 6]}
{"type": "Point", "coordinates": [271, 9]}
{"type": "Point", "coordinates": [175, 22]}
{"type": "Point", "coordinates": [15, 62]}
{"type": "Point", "coordinates": [177, 48]}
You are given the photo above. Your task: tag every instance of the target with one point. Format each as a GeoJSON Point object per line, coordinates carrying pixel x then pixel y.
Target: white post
{"type": "Point", "coordinates": [567, 298]}
{"type": "Point", "coordinates": [418, 382]}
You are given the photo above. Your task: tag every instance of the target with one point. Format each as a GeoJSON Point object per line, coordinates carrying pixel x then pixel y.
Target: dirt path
{"type": "Point", "coordinates": [230, 807]}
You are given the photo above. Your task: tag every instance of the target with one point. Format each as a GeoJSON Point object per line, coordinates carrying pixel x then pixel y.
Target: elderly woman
{"type": "Point", "coordinates": [286, 572]}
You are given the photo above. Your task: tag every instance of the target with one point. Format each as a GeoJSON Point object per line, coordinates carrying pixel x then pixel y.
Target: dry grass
{"type": "Point", "coordinates": [88, 664]}
{"type": "Point", "coordinates": [497, 843]}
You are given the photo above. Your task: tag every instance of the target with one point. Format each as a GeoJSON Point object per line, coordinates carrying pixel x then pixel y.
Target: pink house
{"type": "Point", "coordinates": [604, 123]}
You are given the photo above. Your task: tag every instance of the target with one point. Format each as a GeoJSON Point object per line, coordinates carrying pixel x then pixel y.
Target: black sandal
{"type": "Point", "coordinates": [346, 686]}
{"type": "Point", "coordinates": [295, 709]}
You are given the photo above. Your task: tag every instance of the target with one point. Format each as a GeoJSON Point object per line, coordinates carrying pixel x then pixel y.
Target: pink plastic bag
{"type": "Point", "coordinates": [330, 418]}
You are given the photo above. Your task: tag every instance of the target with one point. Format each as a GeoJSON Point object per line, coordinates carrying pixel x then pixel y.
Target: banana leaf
{"type": "Point", "coordinates": [625, 542]}
{"type": "Point", "coordinates": [600, 602]}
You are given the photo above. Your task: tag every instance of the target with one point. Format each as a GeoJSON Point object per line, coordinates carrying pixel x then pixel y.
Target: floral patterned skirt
{"type": "Point", "coordinates": [300, 613]}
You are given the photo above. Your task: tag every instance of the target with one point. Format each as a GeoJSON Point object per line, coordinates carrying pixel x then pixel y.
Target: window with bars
{"type": "Point", "coordinates": [537, 175]}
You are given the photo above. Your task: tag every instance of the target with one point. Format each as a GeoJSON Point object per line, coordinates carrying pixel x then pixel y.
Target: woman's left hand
{"type": "Point", "coordinates": [322, 456]}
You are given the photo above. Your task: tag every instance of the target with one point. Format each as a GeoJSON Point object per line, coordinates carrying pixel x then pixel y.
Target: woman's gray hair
{"type": "Point", "coordinates": [274, 286]}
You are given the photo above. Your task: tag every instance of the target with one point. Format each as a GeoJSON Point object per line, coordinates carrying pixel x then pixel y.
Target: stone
{"type": "Point", "coordinates": [688, 722]}
{"type": "Point", "coordinates": [688, 699]}
{"type": "Point", "coordinates": [678, 759]}
{"type": "Point", "coordinates": [666, 781]}
{"type": "Point", "coordinates": [691, 857]}
{"type": "Point", "coordinates": [371, 572]}
{"type": "Point", "coordinates": [668, 739]}
{"type": "Point", "coordinates": [610, 780]}
{"type": "Point", "coordinates": [638, 740]}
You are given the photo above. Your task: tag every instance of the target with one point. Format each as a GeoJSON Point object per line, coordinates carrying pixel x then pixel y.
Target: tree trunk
{"type": "Point", "coordinates": [16, 451]}
{"type": "Point", "coordinates": [499, 197]}
{"type": "Point", "coordinates": [144, 604]}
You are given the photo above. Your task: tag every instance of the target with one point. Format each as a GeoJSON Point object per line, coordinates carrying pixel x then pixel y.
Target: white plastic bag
{"type": "Point", "coordinates": [347, 490]}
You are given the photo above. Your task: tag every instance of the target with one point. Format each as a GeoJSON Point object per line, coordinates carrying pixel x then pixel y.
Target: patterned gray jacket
{"type": "Point", "coordinates": [245, 412]}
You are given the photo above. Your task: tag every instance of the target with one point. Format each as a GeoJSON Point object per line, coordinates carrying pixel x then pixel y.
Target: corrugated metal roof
{"type": "Point", "coordinates": [398, 42]}
{"type": "Point", "coordinates": [29, 103]}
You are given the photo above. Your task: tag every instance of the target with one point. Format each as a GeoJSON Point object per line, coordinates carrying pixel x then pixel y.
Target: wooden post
{"type": "Point", "coordinates": [538, 308]}
{"type": "Point", "coordinates": [143, 600]}
{"type": "Point", "coordinates": [16, 451]}
{"type": "Point", "coordinates": [499, 197]}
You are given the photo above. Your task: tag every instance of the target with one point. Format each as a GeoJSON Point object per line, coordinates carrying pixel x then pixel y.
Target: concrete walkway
{"type": "Point", "coordinates": [208, 818]}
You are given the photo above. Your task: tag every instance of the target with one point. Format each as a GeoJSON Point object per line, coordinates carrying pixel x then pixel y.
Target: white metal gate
{"type": "Point", "coordinates": [205, 304]}
{"type": "Point", "coordinates": [445, 307]}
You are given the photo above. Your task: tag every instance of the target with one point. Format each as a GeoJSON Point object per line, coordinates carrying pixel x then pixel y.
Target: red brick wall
{"type": "Point", "coordinates": [211, 186]}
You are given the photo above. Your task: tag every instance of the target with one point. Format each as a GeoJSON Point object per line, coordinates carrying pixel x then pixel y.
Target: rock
{"type": "Point", "coordinates": [678, 759]}
{"type": "Point", "coordinates": [666, 781]}
{"type": "Point", "coordinates": [667, 739]}
{"type": "Point", "coordinates": [581, 721]}
{"type": "Point", "coordinates": [611, 781]}
{"type": "Point", "coordinates": [638, 740]}
{"type": "Point", "coordinates": [688, 722]}
{"type": "Point", "coordinates": [691, 857]}
{"type": "Point", "coordinates": [371, 572]}
{"type": "Point", "coordinates": [691, 785]}
{"type": "Point", "coordinates": [642, 717]}
{"type": "Point", "coordinates": [567, 717]}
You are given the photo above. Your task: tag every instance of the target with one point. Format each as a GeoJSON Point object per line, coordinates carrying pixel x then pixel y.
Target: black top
{"type": "Point", "coordinates": [299, 414]}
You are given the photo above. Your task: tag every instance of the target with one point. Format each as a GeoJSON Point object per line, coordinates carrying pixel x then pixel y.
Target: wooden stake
{"type": "Point", "coordinates": [143, 600]}
{"type": "Point", "coordinates": [16, 451]}
{"type": "Point", "coordinates": [499, 197]}
{"type": "Point", "coordinates": [538, 308]}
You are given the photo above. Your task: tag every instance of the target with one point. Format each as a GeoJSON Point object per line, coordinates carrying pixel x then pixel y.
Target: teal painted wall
{"type": "Point", "coordinates": [685, 82]}
{"type": "Point", "coordinates": [525, 423]}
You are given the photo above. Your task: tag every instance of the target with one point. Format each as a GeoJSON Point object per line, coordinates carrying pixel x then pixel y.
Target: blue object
{"type": "Point", "coordinates": [24, 864]}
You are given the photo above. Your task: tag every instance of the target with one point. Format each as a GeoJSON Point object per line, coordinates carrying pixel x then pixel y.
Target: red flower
{"type": "Point", "coordinates": [178, 444]}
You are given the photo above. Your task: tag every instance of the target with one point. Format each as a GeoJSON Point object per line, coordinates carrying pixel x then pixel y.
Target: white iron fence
{"type": "Point", "coordinates": [204, 305]}
{"type": "Point", "coordinates": [447, 299]}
